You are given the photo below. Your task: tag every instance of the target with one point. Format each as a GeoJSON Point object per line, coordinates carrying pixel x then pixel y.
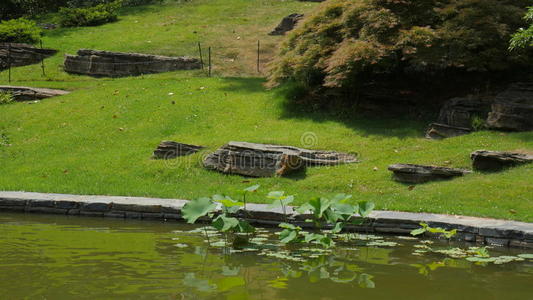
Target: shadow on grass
{"type": "Point", "coordinates": [523, 136]}
{"type": "Point", "coordinates": [403, 126]}
{"type": "Point", "coordinates": [243, 84]}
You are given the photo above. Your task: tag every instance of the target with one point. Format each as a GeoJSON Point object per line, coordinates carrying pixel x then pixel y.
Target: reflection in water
{"type": "Point", "coordinates": [90, 258]}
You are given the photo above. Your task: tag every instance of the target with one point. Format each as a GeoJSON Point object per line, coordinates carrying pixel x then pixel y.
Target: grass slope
{"type": "Point", "coordinates": [99, 138]}
{"type": "Point", "coordinates": [231, 27]}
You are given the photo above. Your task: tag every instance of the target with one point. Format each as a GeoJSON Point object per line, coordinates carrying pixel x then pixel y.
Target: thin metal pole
{"type": "Point", "coordinates": [258, 56]}
{"type": "Point", "coordinates": [201, 57]}
{"type": "Point", "coordinates": [209, 50]}
{"type": "Point", "coordinates": [9, 62]}
{"type": "Point", "coordinates": [42, 58]}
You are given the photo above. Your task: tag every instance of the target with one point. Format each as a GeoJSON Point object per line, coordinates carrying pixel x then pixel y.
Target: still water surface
{"type": "Point", "coordinates": [59, 257]}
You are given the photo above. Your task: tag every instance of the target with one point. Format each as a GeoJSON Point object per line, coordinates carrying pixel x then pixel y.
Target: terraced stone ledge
{"type": "Point", "coordinates": [470, 229]}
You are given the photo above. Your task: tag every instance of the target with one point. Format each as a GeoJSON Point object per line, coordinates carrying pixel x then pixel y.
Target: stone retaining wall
{"type": "Point", "coordinates": [119, 64]}
{"type": "Point", "coordinates": [470, 229]}
{"type": "Point", "coordinates": [17, 55]}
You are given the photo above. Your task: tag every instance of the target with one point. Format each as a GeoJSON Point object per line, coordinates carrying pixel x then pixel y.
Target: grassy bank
{"type": "Point", "coordinates": [99, 138]}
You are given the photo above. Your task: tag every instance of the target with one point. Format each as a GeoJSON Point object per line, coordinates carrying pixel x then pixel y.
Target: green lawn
{"type": "Point", "coordinates": [99, 138]}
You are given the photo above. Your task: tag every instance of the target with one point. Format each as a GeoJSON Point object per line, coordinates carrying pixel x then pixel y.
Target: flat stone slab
{"type": "Point", "coordinates": [483, 230]}
{"type": "Point", "coordinates": [171, 149]}
{"type": "Point", "coordinates": [266, 160]}
{"type": "Point", "coordinates": [493, 161]}
{"type": "Point", "coordinates": [22, 93]}
{"type": "Point", "coordinates": [410, 173]}
{"type": "Point", "coordinates": [118, 64]}
{"type": "Point", "coordinates": [438, 131]}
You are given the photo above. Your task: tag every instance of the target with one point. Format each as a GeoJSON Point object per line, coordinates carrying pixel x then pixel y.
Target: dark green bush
{"type": "Point", "coordinates": [345, 42]}
{"type": "Point", "coordinates": [12, 9]}
{"type": "Point", "coordinates": [19, 31]}
{"type": "Point", "coordinates": [89, 16]}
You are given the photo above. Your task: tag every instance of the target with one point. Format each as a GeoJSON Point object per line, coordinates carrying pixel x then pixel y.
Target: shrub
{"type": "Point", "coordinates": [345, 42]}
{"type": "Point", "coordinates": [90, 16]}
{"type": "Point", "coordinates": [6, 98]}
{"type": "Point", "coordinates": [11, 9]}
{"type": "Point", "coordinates": [19, 31]}
{"type": "Point", "coordinates": [524, 37]}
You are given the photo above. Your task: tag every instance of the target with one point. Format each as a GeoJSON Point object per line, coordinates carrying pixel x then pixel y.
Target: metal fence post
{"type": "Point", "coordinates": [9, 62]}
{"type": "Point", "coordinates": [258, 55]}
{"type": "Point", "coordinates": [42, 58]}
{"type": "Point", "coordinates": [201, 57]}
{"type": "Point", "coordinates": [209, 53]}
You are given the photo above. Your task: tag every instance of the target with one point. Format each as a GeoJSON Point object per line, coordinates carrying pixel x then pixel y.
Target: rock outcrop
{"type": "Point", "coordinates": [493, 161]}
{"type": "Point", "coordinates": [22, 54]}
{"type": "Point", "coordinates": [409, 173]}
{"type": "Point", "coordinates": [264, 160]}
{"type": "Point", "coordinates": [23, 93]}
{"type": "Point", "coordinates": [455, 117]}
{"type": "Point", "coordinates": [170, 149]}
{"type": "Point", "coordinates": [287, 24]}
{"type": "Point", "coordinates": [118, 64]}
{"type": "Point", "coordinates": [513, 109]}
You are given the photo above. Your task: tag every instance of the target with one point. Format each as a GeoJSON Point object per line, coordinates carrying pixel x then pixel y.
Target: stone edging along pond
{"type": "Point", "coordinates": [470, 229]}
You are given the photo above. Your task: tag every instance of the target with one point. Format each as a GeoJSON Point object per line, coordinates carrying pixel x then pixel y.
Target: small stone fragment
{"type": "Point", "coordinates": [170, 149]}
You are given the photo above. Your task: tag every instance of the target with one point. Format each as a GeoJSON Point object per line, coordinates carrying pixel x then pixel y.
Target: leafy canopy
{"type": "Point", "coordinates": [344, 41]}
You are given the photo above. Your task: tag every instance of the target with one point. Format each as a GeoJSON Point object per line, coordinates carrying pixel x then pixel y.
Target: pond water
{"type": "Point", "coordinates": [59, 257]}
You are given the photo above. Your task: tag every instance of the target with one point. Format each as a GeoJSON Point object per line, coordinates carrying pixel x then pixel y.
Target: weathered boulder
{"type": "Point", "coordinates": [22, 93]}
{"type": "Point", "coordinates": [287, 24]}
{"type": "Point", "coordinates": [513, 109]}
{"type": "Point", "coordinates": [409, 173]}
{"type": "Point", "coordinates": [459, 112]}
{"type": "Point", "coordinates": [493, 161]}
{"type": "Point", "coordinates": [118, 64]}
{"type": "Point", "coordinates": [438, 131]}
{"type": "Point", "coordinates": [21, 54]}
{"type": "Point", "coordinates": [456, 116]}
{"type": "Point", "coordinates": [170, 149]}
{"type": "Point", "coordinates": [264, 160]}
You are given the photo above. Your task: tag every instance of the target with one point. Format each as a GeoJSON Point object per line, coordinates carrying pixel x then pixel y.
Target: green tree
{"type": "Point", "coordinates": [346, 41]}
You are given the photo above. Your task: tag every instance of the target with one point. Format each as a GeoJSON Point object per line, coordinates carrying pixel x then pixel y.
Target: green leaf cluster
{"type": "Point", "coordinates": [6, 98]}
{"type": "Point", "coordinates": [523, 38]}
{"type": "Point", "coordinates": [426, 228]}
